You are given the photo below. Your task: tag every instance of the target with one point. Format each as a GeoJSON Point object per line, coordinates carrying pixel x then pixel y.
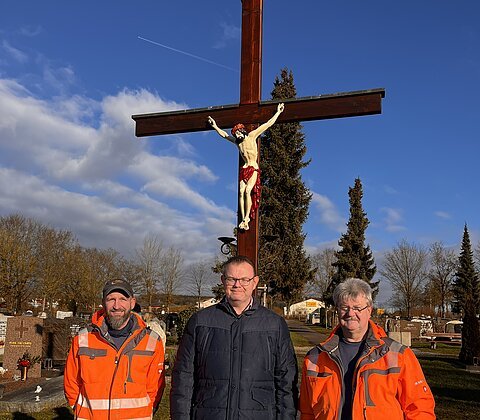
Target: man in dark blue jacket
{"type": "Point", "coordinates": [235, 359]}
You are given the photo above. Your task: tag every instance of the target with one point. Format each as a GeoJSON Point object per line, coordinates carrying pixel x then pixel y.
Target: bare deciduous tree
{"type": "Point", "coordinates": [98, 266]}
{"type": "Point", "coordinates": [53, 263]}
{"type": "Point", "coordinates": [405, 267]}
{"type": "Point", "coordinates": [322, 262]}
{"type": "Point", "coordinates": [18, 260]}
{"type": "Point", "coordinates": [201, 278]}
{"type": "Point", "coordinates": [443, 264]}
{"type": "Point", "coordinates": [149, 259]}
{"type": "Point", "coordinates": [39, 261]}
{"type": "Point", "coordinates": [170, 274]}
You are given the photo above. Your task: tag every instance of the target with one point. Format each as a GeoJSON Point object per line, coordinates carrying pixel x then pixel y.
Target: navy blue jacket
{"type": "Point", "coordinates": [231, 366]}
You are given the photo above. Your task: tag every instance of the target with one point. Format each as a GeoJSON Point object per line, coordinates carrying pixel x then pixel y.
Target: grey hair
{"type": "Point", "coordinates": [351, 289]}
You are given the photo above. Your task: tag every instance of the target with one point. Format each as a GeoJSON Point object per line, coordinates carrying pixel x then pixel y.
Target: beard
{"type": "Point", "coordinates": [116, 319]}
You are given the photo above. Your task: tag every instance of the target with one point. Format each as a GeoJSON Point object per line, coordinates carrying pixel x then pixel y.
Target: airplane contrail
{"type": "Point", "coordinates": [188, 54]}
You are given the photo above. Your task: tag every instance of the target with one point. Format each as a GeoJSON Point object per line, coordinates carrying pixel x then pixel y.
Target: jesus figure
{"type": "Point", "coordinates": [249, 188]}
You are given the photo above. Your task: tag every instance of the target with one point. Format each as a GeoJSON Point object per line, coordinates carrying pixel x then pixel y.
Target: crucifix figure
{"type": "Point", "coordinates": [249, 177]}
{"type": "Point", "coordinates": [251, 111]}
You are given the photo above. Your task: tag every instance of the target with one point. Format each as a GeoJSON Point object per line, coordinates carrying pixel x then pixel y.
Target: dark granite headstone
{"type": "Point", "coordinates": [57, 337]}
{"type": "Point", "coordinates": [24, 335]}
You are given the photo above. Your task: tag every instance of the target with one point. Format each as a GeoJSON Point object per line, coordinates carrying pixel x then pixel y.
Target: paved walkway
{"type": "Point", "coordinates": [309, 333]}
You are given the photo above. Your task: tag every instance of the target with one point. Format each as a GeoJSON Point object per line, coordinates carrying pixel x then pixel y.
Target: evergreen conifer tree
{"type": "Point", "coordinates": [466, 291]}
{"type": "Point", "coordinates": [354, 259]}
{"type": "Point", "coordinates": [283, 263]}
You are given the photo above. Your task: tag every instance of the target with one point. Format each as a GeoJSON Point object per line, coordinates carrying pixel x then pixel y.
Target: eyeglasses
{"type": "Point", "coordinates": [357, 310]}
{"type": "Point", "coordinates": [244, 281]}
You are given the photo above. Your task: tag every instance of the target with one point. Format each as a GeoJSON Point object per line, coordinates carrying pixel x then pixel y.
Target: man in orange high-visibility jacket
{"type": "Point", "coordinates": [115, 366]}
{"type": "Point", "coordinates": [360, 373]}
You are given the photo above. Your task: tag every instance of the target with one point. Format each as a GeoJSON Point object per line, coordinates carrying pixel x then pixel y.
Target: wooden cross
{"type": "Point", "coordinates": [251, 111]}
{"type": "Point", "coordinates": [21, 329]}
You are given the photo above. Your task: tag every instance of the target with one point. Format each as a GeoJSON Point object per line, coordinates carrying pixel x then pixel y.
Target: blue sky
{"type": "Point", "coordinates": [73, 73]}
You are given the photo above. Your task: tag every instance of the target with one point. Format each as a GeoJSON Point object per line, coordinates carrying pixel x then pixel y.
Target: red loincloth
{"type": "Point", "coordinates": [245, 175]}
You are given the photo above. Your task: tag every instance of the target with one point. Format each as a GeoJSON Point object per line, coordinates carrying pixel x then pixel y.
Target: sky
{"type": "Point", "coordinates": [73, 73]}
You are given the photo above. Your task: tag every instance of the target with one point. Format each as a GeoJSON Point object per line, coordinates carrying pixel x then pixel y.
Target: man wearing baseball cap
{"type": "Point", "coordinates": [115, 365]}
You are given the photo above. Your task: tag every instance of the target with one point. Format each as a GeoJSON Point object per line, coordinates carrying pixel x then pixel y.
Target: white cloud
{"type": "Point", "coordinates": [390, 190]}
{"type": "Point", "coordinates": [230, 32]}
{"type": "Point", "coordinates": [58, 78]}
{"type": "Point", "coordinates": [393, 219]}
{"type": "Point", "coordinates": [320, 246]}
{"type": "Point", "coordinates": [18, 55]}
{"type": "Point", "coordinates": [442, 214]}
{"type": "Point", "coordinates": [328, 213]}
{"type": "Point", "coordinates": [75, 163]}
{"type": "Point", "coordinates": [28, 30]}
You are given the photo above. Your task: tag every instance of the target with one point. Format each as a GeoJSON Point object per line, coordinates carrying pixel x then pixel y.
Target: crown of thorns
{"type": "Point", "coordinates": [237, 127]}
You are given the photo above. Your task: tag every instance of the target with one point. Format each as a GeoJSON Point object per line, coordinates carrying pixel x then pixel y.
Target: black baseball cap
{"type": "Point", "coordinates": [118, 285]}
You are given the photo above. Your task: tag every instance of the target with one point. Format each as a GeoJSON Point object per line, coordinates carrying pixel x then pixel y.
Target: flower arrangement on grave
{"type": "Point", "coordinates": [25, 362]}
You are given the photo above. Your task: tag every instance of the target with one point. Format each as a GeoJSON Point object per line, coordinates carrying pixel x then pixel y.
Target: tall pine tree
{"type": "Point", "coordinates": [285, 200]}
{"type": "Point", "coordinates": [354, 259]}
{"type": "Point", "coordinates": [466, 291]}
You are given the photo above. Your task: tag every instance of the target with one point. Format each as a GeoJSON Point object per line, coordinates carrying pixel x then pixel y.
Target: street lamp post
{"type": "Point", "coordinates": [264, 290]}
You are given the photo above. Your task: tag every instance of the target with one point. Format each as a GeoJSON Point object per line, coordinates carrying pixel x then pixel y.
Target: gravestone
{"type": "Point", "coordinates": [24, 335]}
{"type": "Point", "coordinates": [58, 335]}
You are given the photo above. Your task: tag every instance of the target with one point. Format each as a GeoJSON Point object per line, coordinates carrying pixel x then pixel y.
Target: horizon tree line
{"type": "Point", "coordinates": [38, 261]}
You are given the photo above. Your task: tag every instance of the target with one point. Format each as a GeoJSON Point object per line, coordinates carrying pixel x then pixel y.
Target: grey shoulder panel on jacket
{"type": "Point", "coordinates": [153, 334]}
{"type": "Point", "coordinates": [394, 345]}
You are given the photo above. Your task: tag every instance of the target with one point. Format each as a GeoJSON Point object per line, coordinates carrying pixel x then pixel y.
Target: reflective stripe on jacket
{"type": "Point", "coordinates": [388, 382]}
{"type": "Point", "coordinates": [103, 383]}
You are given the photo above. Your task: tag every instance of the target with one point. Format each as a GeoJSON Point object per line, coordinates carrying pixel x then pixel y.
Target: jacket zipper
{"type": "Point", "coordinates": [128, 374]}
{"type": "Point", "coordinates": [117, 359]}
{"type": "Point", "coordinates": [369, 350]}
{"type": "Point", "coordinates": [337, 361]}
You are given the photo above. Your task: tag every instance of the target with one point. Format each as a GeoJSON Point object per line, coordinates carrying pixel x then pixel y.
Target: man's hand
{"type": "Point", "coordinates": [280, 107]}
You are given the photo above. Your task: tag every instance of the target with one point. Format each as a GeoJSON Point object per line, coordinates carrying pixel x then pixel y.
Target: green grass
{"type": "Point", "coordinates": [299, 341]}
{"type": "Point", "coordinates": [442, 348]}
{"type": "Point", "coordinates": [163, 412]}
{"type": "Point", "coordinates": [456, 391]}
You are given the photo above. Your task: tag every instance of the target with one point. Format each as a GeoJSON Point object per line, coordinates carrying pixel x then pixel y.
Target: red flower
{"type": "Point", "coordinates": [27, 361]}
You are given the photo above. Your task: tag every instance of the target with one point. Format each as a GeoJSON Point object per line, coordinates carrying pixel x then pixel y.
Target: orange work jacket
{"type": "Point", "coordinates": [101, 382]}
{"type": "Point", "coordinates": [388, 382]}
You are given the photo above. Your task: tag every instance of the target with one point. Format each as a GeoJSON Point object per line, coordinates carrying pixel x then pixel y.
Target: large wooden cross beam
{"type": "Point", "coordinates": [251, 111]}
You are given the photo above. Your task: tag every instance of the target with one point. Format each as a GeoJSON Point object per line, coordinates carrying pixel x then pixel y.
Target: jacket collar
{"type": "Point", "coordinates": [224, 304]}
{"type": "Point", "coordinates": [373, 337]}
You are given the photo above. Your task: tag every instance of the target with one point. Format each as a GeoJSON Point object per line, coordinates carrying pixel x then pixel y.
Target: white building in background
{"type": "Point", "coordinates": [302, 309]}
